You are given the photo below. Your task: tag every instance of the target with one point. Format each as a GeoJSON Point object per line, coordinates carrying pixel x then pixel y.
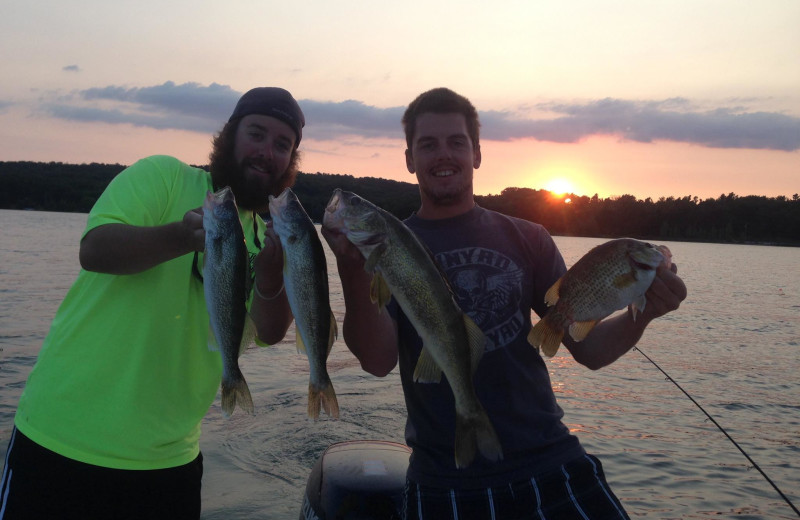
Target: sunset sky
{"type": "Point", "coordinates": [648, 98]}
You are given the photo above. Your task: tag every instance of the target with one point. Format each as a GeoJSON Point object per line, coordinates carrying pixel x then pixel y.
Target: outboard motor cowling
{"type": "Point", "coordinates": [357, 480]}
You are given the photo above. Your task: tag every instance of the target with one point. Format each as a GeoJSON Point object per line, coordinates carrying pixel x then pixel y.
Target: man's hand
{"type": "Point", "coordinates": [193, 224]}
{"type": "Point", "coordinates": [665, 293]}
{"type": "Point", "coordinates": [268, 264]}
{"type": "Point", "coordinates": [128, 249]}
{"type": "Point", "coordinates": [347, 255]}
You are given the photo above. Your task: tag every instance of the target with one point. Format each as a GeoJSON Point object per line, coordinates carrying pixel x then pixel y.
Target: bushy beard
{"type": "Point", "coordinates": [252, 192]}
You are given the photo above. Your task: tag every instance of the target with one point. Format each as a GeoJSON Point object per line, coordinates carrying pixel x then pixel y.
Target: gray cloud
{"type": "Point", "coordinates": [670, 120]}
{"type": "Point", "coordinates": [189, 106]}
{"type": "Point", "coordinates": [71, 68]}
{"type": "Point", "coordinates": [328, 120]}
{"type": "Point", "coordinates": [194, 107]}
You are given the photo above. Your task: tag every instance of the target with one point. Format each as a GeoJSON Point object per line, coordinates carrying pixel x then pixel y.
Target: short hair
{"type": "Point", "coordinates": [441, 101]}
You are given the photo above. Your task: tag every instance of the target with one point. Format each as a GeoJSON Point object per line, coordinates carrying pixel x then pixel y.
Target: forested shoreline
{"type": "Point", "coordinates": [729, 218]}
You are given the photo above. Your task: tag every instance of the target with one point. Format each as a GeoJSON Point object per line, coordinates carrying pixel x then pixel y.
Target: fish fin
{"type": "Point", "coordinates": [477, 342]}
{"type": "Point", "coordinates": [379, 292]}
{"type": "Point", "coordinates": [213, 344]}
{"type": "Point", "coordinates": [249, 281]}
{"type": "Point", "coordinates": [625, 280]}
{"type": "Point", "coordinates": [333, 333]}
{"type": "Point", "coordinates": [248, 334]}
{"type": "Point", "coordinates": [475, 434]}
{"type": "Point", "coordinates": [322, 398]}
{"type": "Point", "coordinates": [580, 329]}
{"type": "Point", "coordinates": [544, 335]}
{"type": "Point", "coordinates": [551, 296]}
{"type": "Point", "coordinates": [427, 371]}
{"type": "Point", "coordinates": [638, 305]}
{"type": "Point", "coordinates": [301, 347]}
{"type": "Point", "coordinates": [375, 257]}
{"type": "Point", "coordinates": [235, 391]}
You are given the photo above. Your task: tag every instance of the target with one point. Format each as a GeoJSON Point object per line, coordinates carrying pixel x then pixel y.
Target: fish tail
{"type": "Point", "coordinates": [235, 391]}
{"type": "Point", "coordinates": [322, 397]}
{"type": "Point", "coordinates": [580, 329]}
{"type": "Point", "coordinates": [546, 336]}
{"type": "Point", "coordinates": [476, 433]}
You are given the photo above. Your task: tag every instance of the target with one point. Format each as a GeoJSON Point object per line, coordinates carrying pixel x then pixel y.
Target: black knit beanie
{"type": "Point", "coordinates": [275, 102]}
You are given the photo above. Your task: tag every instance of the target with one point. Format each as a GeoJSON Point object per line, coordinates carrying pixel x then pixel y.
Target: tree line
{"type": "Point", "coordinates": [730, 218]}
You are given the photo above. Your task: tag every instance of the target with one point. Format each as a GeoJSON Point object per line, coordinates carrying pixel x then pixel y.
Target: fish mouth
{"type": "Point", "coordinates": [333, 203]}
{"type": "Point", "coordinates": [329, 217]}
{"type": "Point", "coordinates": [221, 196]}
{"type": "Point", "coordinates": [642, 266]}
{"type": "Point", "coordinates": [648, 259]}
{"type": "Point", "coordinates": [224, 194]}
{"type": "Point", "coordinates": [274, 208]}
{"type": "Point", "coordinates": [279, 203]}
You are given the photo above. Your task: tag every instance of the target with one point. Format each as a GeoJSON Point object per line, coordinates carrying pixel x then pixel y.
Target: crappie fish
{"type": "Point", "coordinates": [452, 342]}
{"type": "Point", "coordinates": [305, 276]}
{"type": "Point", "coordinates": [225, 276]}
{"type": "Point", "coordinates": [608, 278]}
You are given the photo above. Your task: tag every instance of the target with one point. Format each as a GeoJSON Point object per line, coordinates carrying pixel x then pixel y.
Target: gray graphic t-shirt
{"type": "Point", "coordinates": [499, 268]}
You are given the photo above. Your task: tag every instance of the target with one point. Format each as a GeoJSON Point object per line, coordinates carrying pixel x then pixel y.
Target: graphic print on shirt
{"type": "Point", "coordinates": [487, 286]}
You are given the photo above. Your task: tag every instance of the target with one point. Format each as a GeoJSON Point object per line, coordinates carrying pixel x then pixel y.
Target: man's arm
{"type": "Point", "coordinates": [369, 332]}
{"type": "Point", "coordinates": [270, 309]}
{"type": "Point", "coordinates": [615, 336]}
{"type": "Point", "coordinates": [127, 249]}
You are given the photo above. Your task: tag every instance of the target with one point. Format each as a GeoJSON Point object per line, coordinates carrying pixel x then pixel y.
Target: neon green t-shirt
{"type": "Point", "coordinates": [125, 374]}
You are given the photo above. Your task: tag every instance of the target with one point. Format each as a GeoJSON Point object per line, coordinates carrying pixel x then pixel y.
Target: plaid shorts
{"type": "Point", "coordinates": [577, 490]}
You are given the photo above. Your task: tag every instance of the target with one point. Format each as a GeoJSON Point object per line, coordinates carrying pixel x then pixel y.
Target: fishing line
{"type": "Point", "coordinates": [723, 431]}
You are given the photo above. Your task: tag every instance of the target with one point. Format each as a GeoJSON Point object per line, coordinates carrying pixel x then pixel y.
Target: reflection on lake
{"type": "Point", "coordinates": [733, 346]}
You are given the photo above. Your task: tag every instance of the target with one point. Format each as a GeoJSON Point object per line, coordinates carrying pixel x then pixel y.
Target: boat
{"type": "Point", "coordinates": [359, 479]}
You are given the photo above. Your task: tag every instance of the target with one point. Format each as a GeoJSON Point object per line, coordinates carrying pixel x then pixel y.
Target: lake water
{"type": "Point", "coordinates": [734, 346]}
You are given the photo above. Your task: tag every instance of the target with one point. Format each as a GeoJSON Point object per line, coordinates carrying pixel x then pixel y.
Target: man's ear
{"type": "Point", "coordinates": [410, 161]}
{"type": "Point", "coordinates": [476, 157]}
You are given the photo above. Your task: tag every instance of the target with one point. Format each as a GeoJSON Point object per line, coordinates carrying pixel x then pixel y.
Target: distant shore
{"type": "Point", "coordinates": [728, 219]}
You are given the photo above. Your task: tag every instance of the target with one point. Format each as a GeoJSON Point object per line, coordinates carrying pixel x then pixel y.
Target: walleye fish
{"type": "Point", "coordinates": [452, 342]}
{"type": "Point", "coordinates": [305, 276]}
{"type": "Point", "coordinates": [225, 276]}
{"type": "Point", "coordinates": [608, 278]}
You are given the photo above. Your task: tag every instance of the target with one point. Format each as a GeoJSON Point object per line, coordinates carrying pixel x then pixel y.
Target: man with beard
{"type": "Point", "coordinates": [544, 472]}
{"type": "Point", "coordinates": [109, 422]}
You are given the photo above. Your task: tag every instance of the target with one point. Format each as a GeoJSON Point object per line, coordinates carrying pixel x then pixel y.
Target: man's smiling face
{"type": "Point", "coordinates": [262, 152]}
{"type": "Point", "coordinates": [443, 158]}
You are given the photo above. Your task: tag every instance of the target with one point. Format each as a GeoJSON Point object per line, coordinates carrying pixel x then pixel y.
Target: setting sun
{"type": "Point", "coordinates": [559, 186]}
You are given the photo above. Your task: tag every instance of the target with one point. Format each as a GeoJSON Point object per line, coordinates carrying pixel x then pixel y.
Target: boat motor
{"type": "Point", "coordinates": [357, 480]}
